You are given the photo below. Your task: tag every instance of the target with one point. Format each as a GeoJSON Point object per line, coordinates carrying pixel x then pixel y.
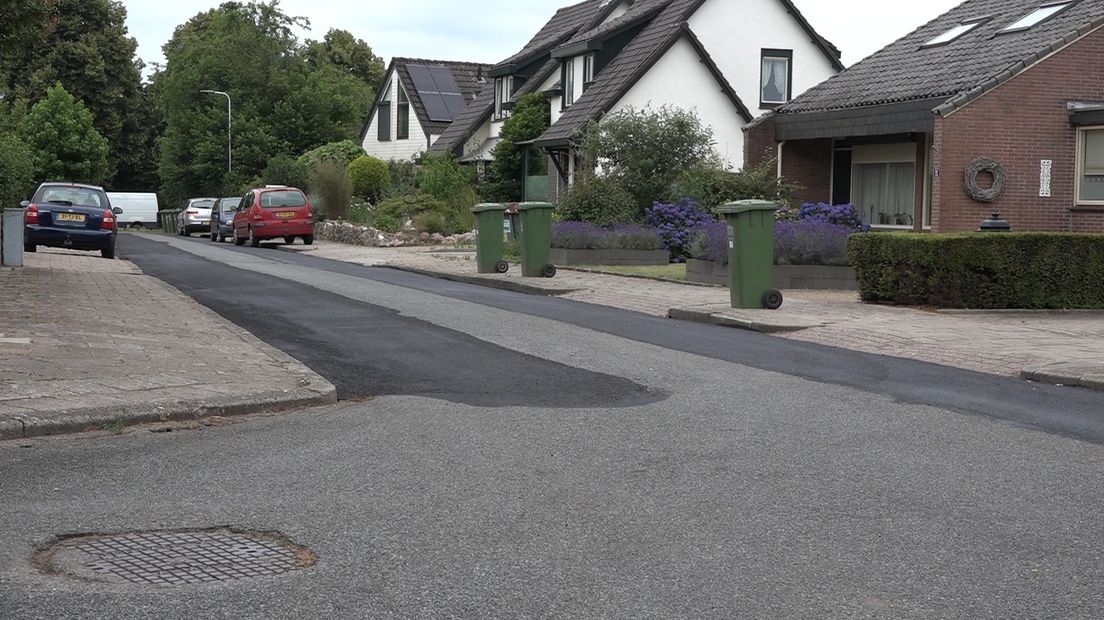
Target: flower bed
{"type": "Point", "coordinates": [580, 243]}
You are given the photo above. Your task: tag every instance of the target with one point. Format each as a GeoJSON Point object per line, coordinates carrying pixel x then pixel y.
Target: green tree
{"type": "Point", "coordinates": [647, 150]}
{"type": "Point", "coordinates": [341, 49]}
{"type": "Point", "coordinates": [91, 54]}
{"type": "Point", "coordinates": [285, 170]}
{"type": "Point", "coordinates": [16, 170]}
{"type": "Point", "coordinates": [530, 118]}
{"type": "Point", "coordinates": [25, 22]}
{"type": "Point", "coordinates": [65, 145]}
{"type": "Point", "coordinates": [286, 101]}
{"type": "Point", "coordinates": [369, 177]}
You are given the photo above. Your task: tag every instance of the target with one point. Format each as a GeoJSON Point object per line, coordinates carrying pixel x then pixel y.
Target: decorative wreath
{"type": "Point", "coordinates": [978, 166]}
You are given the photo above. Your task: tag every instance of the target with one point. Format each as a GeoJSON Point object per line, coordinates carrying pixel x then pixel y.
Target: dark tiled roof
{"type": "Point", "coordinates": [466, 74]}
{"type": "Point", "coordinates": [960, 70]}
{"type": "Point", "coordinates": [667, 25]}
{"type": "Point", "coordinates": [641, 11]}
{"type": "Point", "coordinates": [566, 22]}
{"type": "Point", "coordinates": [624, 70]}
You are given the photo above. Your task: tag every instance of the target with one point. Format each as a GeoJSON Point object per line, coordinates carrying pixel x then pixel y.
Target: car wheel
{"type": "Point", "coordinates": [308, 239]}
{"type": "Point", "coordinates": [253, 240]}
{"type": "Point", "coordinates": [30, 247]}
{"type": "Point", "coordinates": [289, 240]}
{"type": "Point", "coordinates": [238, 240]}
{"type": "Point", "coordinates": [108, 252]}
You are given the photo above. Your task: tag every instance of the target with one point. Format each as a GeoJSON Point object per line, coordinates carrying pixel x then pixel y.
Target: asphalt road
{"type": "Point", "coordinates": [647, 468]}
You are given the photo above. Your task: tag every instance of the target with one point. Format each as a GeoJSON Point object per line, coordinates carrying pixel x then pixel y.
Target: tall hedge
{"type": "Point", "coordinates": [980, 270]}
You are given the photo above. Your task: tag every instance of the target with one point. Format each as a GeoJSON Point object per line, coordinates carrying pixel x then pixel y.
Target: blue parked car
{"type": "Point", "coordinates": [72, 216]}
{"type": "Point", "coordinates": [222, 218]}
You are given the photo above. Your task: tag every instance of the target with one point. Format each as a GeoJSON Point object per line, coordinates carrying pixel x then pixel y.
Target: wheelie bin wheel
{"type": "Point", "coordinates": [502, 266]}
{"type": "Point", "coordinates": [548, 271]}
{"type": "Point", "coordinates": [772, 300]}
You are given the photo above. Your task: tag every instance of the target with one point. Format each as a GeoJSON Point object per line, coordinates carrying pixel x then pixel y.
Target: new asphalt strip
{"type": "Point", "coordinates": [367, 350]}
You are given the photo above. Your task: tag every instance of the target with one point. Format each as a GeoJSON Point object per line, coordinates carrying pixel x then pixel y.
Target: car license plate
{"type": "Point", "coordinates": [284, 215]}
{"type": "Point", "coordinates": [70, 217]}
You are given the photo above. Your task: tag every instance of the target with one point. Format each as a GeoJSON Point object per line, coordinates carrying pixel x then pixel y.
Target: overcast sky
{"type": "Point", "coordinates": [490, 30]}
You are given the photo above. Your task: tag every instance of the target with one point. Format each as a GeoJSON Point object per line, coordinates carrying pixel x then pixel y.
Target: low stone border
{"type": "Point", "coordinates": [808, 277]}
{"type": "Point", "coordinates": [617, 258]}
{"type": "Point", "coordinates": [355, 234]}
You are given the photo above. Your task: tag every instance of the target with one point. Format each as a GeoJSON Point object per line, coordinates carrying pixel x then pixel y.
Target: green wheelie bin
{"type": "Point", "coordinates": [168, 220]}
{"type": "Point", "coordinates": [751, 254]}
{"type": "Point", "coordinates": [536, 239]}
{"type": "Point", "coordinates": [489, 242]}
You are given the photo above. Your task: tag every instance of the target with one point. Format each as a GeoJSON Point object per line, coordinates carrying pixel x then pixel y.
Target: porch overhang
{"type": "Point", "coordinates": [1083, 114]}
{"type": "Point", "coordinates": [897, 118]}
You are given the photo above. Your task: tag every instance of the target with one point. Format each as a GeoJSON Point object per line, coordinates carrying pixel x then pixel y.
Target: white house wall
{"type": "Point", "coordinates": [680, 79]}
{"type": "Point", "coordinates": [395, 149]}
{"type": "Point", "coordinates": [735, 33]}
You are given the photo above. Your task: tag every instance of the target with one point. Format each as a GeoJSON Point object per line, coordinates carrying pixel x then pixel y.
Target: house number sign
{"type": "Point", "coordinates": [1046, 166]}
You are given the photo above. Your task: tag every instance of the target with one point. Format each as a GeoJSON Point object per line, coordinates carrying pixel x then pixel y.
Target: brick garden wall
{"type": "Point", "coordinates": [1018, 124]}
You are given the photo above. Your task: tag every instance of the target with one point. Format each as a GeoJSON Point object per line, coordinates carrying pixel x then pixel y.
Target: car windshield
{"type": "Point", "coordinates": [71, 196]}
{"type": "Point", "coordinates": [283, 199]}
{"type": "Point", "coordinates": [228, 204]}
{"type": "Point", "coordinates": [201, 204]}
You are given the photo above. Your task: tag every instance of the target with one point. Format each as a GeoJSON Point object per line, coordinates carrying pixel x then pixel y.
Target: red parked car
{"type": "Point", "coordinates": [274, 213]}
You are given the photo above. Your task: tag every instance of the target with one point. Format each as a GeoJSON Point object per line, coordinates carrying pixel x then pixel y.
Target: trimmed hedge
{"type": "Point", "coordinates": [980, 270]}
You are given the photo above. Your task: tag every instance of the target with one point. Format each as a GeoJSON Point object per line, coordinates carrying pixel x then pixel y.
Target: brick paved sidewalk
{"type": "Point", "coordinates": [1055, 347]}
{"type": "Point", "coordinates": [90, 343]}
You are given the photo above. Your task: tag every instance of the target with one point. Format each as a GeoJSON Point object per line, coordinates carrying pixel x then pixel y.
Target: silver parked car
{"type": "Point", "coordinates": [196, 216]}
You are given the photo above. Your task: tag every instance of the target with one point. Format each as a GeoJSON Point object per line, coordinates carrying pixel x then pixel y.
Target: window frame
{"type": "Point", "coordinates": [969, 26]}
{"type": "Point", "coordinates": [588, 70]}
{"type": "Point", "coordinates": [1080, 166]}
{"type": "Point", "coordinates": [402, 115]}
{"type": "Point", "coordinates": [568, 81]}
{"type": "Point", "coordinates": [776, 54]}
{"type": "Point", "coordinates": [504, 87]}
{"type": "Point", "coordinates": [1063, 4]}
{"type": "Point", "coordinates": [383, 129]}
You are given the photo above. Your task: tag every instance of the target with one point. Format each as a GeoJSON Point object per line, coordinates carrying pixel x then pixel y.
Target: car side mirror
{"type": "Point", "coordinates": [117, 210]}
{"type": "Point", "coordinates": [25, 204]}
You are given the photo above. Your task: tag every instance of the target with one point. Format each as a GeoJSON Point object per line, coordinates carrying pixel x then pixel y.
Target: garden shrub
{"type": "Point", "coordinates": [368, 177]}
{"type": "Point", "coordinates": [285, 170]}
{"type": "Point", "coordinates": [404, 178]}
{"type": "Point", "coordinates": [598, 200]}
{"type": "Point", "coordinates": [343, 152]}
{"type": "Point", "coordinates": [981, 270]}
{"type": "Point", "coordinates": [587, 236]}
{"type": "Point", "coordinates": [433, 222]}
{"type": "Point", "coordinates": [710, 185]}
{"type": "Point", "coordinates": [387, 222]}
{"type": "Point", "coordinates": [329, 185]}
{"type": "Point", "coordinates": [16, 171]}
{"type": "Point", "coordinates": [414, 208]}
{"type": "Point", "coordinates": [678, 224]}
{"type": "Point", "coordinates": [452, 184]}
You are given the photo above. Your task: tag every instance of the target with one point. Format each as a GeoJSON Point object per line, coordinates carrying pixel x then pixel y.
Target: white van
{"type": "Point", "coordinates": [139, 209]}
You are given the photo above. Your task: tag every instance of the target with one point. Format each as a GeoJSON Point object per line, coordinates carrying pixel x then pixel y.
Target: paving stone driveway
{"type": "Point", "coordinates": [1013, 344]}
{"type": "Point", "coordinates": [88, 342]}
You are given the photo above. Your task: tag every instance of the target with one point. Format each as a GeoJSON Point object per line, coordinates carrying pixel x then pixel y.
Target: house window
{"type": "Point", "coordinates": [953, 33]}
{"type": "Point", "coordinates": [1090, 166]}
{"type": "Point", "coordinates": [569, 82]}
{"type": "Point", "coordinates": [1037, 16]}
{"type": "Point", "coordinates": [588, 70]}
{"type": "Point", "coordinates": [383, 118]}
{"type": "Point", "coordinates": [402, 132]}
{"type": "Point", "coordinates": [776, 78]}
{"type": "Point", "coordinates": [504, 89]}
{"type": "Point", "coordinates": [885, 194]}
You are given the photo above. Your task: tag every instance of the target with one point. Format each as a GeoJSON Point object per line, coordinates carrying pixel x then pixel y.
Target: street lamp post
{"type": "Point", "coordinates": [229, 138]}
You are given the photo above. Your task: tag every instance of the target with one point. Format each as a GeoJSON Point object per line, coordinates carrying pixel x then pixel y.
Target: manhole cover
{"type": "Point", "coordinates": [176, 557]}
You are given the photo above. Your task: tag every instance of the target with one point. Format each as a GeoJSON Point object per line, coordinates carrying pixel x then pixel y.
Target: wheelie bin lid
{"type": "Point", "coordinates": [528, 206]}
{"type": "Point", "coordinates": [488, 206]}
{"type": "Point", "coordinates": [744, 206]}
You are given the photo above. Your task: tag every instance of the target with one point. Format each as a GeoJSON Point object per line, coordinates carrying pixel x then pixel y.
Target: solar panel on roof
{"type": "Point", "coordinates": [439, 92]}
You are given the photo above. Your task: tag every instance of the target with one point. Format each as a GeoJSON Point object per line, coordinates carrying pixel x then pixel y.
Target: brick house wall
{"type": "Point", "coordinates": [1019, 123]}
{"type": "Point", "coordinates": [805, 162]}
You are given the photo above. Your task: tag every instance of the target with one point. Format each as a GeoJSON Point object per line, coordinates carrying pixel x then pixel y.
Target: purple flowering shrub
{"type": "Point", "coordinates": [678, 225]}
{"type": "Point", "coordinates": [587, 236]}
{"type": "Point", "coordinates": [808, 242]}
{"type": "Point", "coordinates": [838, 215]}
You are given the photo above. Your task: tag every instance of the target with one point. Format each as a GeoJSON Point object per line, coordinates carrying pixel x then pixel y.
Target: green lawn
{"type": "Point", "coordinates": [659, 272]}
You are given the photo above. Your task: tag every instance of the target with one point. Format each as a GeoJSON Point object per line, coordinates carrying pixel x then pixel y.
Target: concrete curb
{"type": "Point", "coordinates": [313, 390]}
{"type": "Point", "coordinates": [1065, 375]}
{"type": "Point", "coordinates": [712, 318]}
{"type": "Point", "coordinates": [507, 285]}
